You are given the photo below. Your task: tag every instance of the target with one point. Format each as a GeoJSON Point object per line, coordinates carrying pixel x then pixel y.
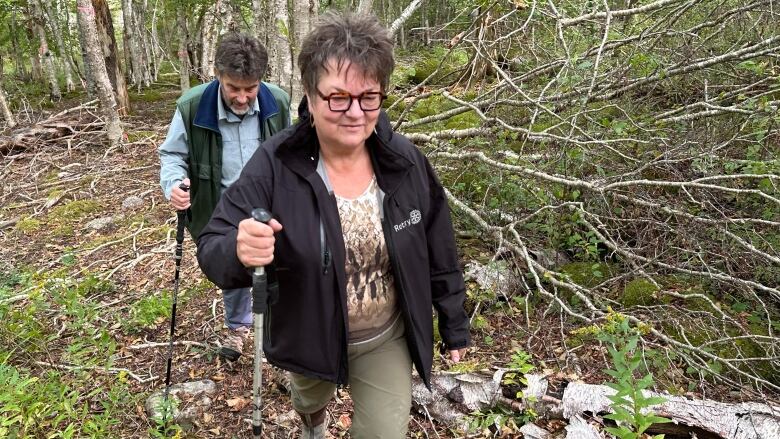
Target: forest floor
{"type": "Point", "coordinates": [98, 292]}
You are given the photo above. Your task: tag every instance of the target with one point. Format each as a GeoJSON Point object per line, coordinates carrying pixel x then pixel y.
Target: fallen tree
{"type": "Point", "coordinates": [456, 395]}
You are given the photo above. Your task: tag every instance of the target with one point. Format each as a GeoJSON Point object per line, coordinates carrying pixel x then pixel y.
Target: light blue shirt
{"type": "Point", "coordinates": [240, 140]}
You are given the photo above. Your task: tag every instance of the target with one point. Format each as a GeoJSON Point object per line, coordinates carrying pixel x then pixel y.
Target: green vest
{"type": "Point", "coordinates": [198, 108]}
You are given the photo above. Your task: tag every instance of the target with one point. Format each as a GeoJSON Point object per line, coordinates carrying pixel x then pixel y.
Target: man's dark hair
{"type": "Point", "coordinates": [345, 37]}
{"type": "Point", "coordinates": [241, 56]}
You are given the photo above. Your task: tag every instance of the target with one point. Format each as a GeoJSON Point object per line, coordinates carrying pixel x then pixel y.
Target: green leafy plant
{"type": "Point", "coordinates": [519, 365]}
{"type": "Point", "coordinates": [630, 406]}
{"type": "Point", "coordinates": [163, 425]}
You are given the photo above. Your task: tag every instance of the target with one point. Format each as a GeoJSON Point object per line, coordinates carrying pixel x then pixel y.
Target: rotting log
{"type": "Point", "coordinates": [454, 396]}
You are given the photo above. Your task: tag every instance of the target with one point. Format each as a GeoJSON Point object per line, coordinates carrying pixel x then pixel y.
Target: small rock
{"type": "Point", "coordinates": [100, 223]}
{"type": "Point", "coordinates": [132, 202]}
{"type": "Point", "coordinates": [533, 431]}
{"type": "Point", "coordinates": [191, 401]}
{"type": "Point", "coordinates": [495, 276]}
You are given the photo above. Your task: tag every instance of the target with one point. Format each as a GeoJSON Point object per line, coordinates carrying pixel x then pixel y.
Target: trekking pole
{"type": "Point", "coordinates": [259, 306]}
{"type": "Point", "coordinates": [181, 217]}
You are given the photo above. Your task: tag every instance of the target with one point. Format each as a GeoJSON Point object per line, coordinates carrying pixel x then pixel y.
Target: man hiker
{"type": "Point", "coordinates": [215, 130]}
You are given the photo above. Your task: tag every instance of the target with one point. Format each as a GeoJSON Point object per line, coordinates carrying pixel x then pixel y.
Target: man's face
{"type": "Point", "coordinates": [238, 94]}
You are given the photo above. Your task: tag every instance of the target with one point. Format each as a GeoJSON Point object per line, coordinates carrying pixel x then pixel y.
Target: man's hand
{"type": "Point", "coordinates": [457, 355]}
{"type": "Point", "coordinates": [181, 198]}
{"type": "Point", "coordinates": [255, 242]}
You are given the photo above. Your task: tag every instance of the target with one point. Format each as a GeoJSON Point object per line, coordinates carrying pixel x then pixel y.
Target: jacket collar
{"type": "Point", "coordinates": [207, 116]}
{"type": "Point", "coordinates": [300, 151]}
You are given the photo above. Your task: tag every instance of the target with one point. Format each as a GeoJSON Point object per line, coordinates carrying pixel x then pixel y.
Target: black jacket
{"type": "Point", "coordinates": [306, 329]}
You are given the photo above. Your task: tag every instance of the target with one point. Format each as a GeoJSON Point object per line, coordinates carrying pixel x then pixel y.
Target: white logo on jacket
{"type": "Point", "coordinates": [414, 217]}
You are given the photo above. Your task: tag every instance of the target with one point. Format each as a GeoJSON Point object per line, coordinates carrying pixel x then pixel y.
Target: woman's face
{"type": "Point", "coordinates": [348, 129]}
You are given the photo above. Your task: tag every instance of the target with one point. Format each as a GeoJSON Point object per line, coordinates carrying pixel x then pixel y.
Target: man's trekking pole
{"type": "Point", "coordinates": [181, 217]}
{"type": "Point", "coordinates": [259, 306]}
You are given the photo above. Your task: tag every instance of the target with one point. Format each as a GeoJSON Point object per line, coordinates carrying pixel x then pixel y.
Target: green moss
{"type": "Point", "coordinates": [463, 120]}
{"type": "Point", "coordinates": [28, 225]}
{"type": "Point", "coordinates": [63, 218]}
{"type": "Point", "coordinates": [586, 274]}
{"type": "Point", "coordinates": [74, 210]}
{"type": "Point", "coordinates": [136, 135]}
{"type": "Point", "coordinates": [639, 291]}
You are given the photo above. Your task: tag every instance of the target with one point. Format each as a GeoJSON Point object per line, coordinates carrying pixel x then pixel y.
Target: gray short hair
{"type": "Point", "coordinates": [344, 37]}
{"type": "Point", "coordinates": [241, 56]}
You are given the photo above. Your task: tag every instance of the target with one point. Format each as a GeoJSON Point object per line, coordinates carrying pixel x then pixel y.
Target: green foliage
{"type": "Point", "coordinates": [164, 425]}
{"type": "Point", "coordinates": [519, 365]}
{"type": "Point", "coordinates": [48, 407]}
{"type": "Point", "coordinates": [499, 419]}
{"type": "Point", "coordinates": [630, 406]}
{"type": "Point", "coordinates": [150, 312]}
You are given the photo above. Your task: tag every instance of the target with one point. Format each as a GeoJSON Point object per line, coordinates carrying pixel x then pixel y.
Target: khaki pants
{"type": "Point", "coordinates": [380, 381]}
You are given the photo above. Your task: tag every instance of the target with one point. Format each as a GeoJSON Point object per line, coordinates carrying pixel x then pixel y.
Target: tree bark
{"type": "Point", "coordinates": [303, 16]}
{"type": "Point", "coordinates": [260, 17]}
{"type": "Point", "coordinates": [208, 42]}
{"type": "Point", "coordinates": [10, 121]}
{"type": "Point", "coordinates": [43, 50]}
{"type": "Point", "coordinates": [184, 59]}
{"type": "Point", "coordinates": [105, 28]}
{"type": "Point", "coordinates": [88, 28]}
{"type": "Point", "coordinates": [364, 7]}
{"type": "Point", "coordinates": [282, 61]}
{"type": "Point", "coordinates": [131, 44]}
{"type": "Point", "coordinates": [50, 11]}
{"type": "Point", "coordinates": [147, 58]}
{"type": "Point", "coordinates": [454, 396]}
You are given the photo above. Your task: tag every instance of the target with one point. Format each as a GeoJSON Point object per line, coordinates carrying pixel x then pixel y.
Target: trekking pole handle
{"type": "Point", "coordinates": [181, 217]}
{"type": "Point", "coordinates": [259, 281]}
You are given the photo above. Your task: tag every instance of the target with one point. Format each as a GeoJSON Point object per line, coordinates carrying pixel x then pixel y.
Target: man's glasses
{"type": "Point", "coordinates": [341, 102]}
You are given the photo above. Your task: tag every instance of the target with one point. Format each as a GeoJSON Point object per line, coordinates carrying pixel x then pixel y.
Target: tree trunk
{"type": "Point", "coordinates": [259, 23]}
{"type": "Point", "coordinates": [88, 76]}
{"type": "Point", "coordinates": [50, 11]}
{"type": "Point", "coordinates": [147, 58]}
{"type": "Point", "coordinates": [131, 44]}
{"type": "Point", "coordinates": [10, 121]}
{"type": "Point", "coordinates": [454, 396]}
{"type": "Point", "coordinates": [97, 65]}
{"type": "Point", "coordinates": [105, 28]}
{"type": "Point", "coordinates": [208, 42]}
{"type": "Point", "coordinates": [184, 59]}
{"type": "Point", "coordinates": [365, 6]}
{"type": "Point", "coordinates": [282, 61]}
{"type": "Point", "coordinates": [43, 50]}
{"type": "Point", "coordinates": [303, 16]}
{"type": "Point", "coordinates": [21, 69]}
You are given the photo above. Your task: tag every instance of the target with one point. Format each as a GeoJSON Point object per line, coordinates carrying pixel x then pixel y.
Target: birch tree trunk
{"type": "Point", "coordinates": [43, 50]}
{"type": "Point", "coordinates": [208, 42]}
{"type": "Point", "coordinates": [131, 44]}
{"type": "Point", "coordinates": [50, 11]}
{"type": "Point", "coordinates": [260, 18]}
{"type": "Point", "coordinates": [147, 58]}
{"type": "Point", "coordinates": [303, 16]}
{"type": "Point", "coordinates": [10, 121]}
{"type": "Point", "coordinates": [105, 33]}
{"type": "Point", "coordinates": [282, 61]}
{"type": "Point", "coordinates": [88, 28]}
{"type": "Point", "coordinates": [364, 7]}
{"type": "Point", "coordinates": [184, 59]}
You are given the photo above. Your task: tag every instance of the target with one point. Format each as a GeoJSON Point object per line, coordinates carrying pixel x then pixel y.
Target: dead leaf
{"type": "Point", "coordinates": [207, 418]}
{"type": "Point", "coordinates": [237, 404]}
{"type": "Point", "coordinates": [219, 376]}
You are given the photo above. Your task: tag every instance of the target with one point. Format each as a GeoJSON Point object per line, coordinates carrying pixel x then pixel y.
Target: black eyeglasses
{"type": "Point", "coordinates": [341, 102]}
